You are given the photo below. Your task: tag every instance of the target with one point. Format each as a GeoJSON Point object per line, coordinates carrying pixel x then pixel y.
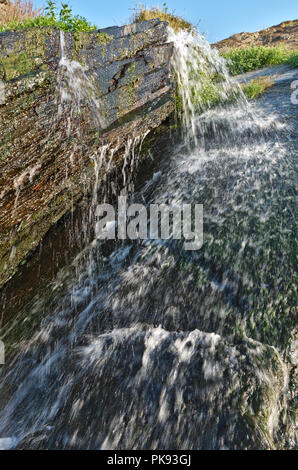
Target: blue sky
{"type": "Point", "coordinates": [218, 18]}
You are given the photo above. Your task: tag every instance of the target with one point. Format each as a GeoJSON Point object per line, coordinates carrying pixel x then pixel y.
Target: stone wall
{"type": "Point", "coordinates": [45, 155]}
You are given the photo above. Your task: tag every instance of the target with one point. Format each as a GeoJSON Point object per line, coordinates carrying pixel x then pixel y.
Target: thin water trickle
{"type": "Point", "coordinates": [75, 92]}
{"type": "Point", "coordinates": [153, 347]}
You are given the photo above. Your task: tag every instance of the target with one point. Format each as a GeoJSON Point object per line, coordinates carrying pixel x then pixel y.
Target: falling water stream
{"type": "Point", "coordinates": [143, 345]}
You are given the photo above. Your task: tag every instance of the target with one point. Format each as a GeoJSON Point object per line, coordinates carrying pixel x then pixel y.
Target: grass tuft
{"type": "Point", "coordinates": [256, 87]}
{"type": "Point", "coordinates": [177, 23]}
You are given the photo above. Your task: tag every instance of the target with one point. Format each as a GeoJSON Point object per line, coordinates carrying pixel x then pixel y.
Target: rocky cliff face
{"type": "Point", "coordinates": [67, 97]}
{"type": "Point", "coordinates": [285, 33]}
{"type": "Point", "coordinates": [3, 5]}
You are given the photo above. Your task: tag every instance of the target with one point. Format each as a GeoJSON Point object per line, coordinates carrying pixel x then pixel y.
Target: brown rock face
{"type": "Point", "coordinates": [285, 33]}
{"type": "Point", "coordinates": [47, 147]}
{"type": "Point", "coordinates": [3, 7]}
{"type": "Point", "coordinates": [3, 4]}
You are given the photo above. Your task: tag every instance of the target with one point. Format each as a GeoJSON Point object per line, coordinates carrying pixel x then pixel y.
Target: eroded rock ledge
{"type": "Point", "coordinates": [45, 170]}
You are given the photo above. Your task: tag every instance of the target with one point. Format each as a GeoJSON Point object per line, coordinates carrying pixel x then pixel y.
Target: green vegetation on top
{"type": "Point", "coordinates": [254, 58]}
{"type": "Point", "coordinates": [63, 19]}
{"type": "Point", "coordinates": [176, 22]}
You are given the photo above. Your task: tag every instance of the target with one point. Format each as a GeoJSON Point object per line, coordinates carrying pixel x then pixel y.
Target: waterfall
{"type": "Point", "coordinates": [142, 345]}
{"type": "Point", "coordinates": [76, 99]}
{"type": "Point", "coordinates": [202, 78]}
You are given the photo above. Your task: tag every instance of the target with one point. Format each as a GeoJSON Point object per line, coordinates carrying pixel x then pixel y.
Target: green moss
{"type": "Point", "coordinates": [104, 38]}
{"type": "Point", "coordinates": [82, 39]}
{"type": "Point", "coordinates": [17, 64]}
{"type": "Point", "coordinates": [256, 87]}
{"type": "Point", "coordinates": [27, 56]}
{"type": "Point", "coordinates": [132, 71]}
{"type": "Point", "coordinates": [132, 78]}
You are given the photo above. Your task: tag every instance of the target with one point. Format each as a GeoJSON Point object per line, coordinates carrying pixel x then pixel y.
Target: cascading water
{"type": "Point", "coordinates": [202, 78]}
{"type": "Point", "coordinates": [153, 347]}
{"type": "Point", "coordinates": [76, 97]}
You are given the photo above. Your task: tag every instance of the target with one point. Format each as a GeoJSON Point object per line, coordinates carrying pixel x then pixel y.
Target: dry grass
{"type": "Point", "coordinates": [143, 13]}
{"type": "Point", "coordinates": [19, 10]}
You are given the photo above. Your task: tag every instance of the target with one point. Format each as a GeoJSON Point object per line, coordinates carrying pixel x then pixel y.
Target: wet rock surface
{"type": "Point", "coordinates": [166, 390]}
{"type": "Point", "coordinates": [46, 162]}
{"type": "Point", "coordinates": [142, 345]}
{"type": "Point", "coordinates": [151, 348]}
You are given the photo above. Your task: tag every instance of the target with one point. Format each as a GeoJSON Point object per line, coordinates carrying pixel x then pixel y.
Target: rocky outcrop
{"type": "Point", "coordinates": [285, 33]}
{"type": "Point", "coordinates": [3, 5]}
{"type": "Point", "coordinates": [51, 130]}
